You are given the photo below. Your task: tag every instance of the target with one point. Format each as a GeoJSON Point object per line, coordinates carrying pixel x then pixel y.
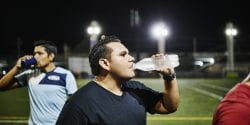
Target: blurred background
{"type": "Point", "coordinates": [211, 39]}
{"type": "Point", "coordinates": [195, 31]}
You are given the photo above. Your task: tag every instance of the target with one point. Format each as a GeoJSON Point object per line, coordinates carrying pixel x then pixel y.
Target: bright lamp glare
{"type": "Point", "coordinates": [94, 30]}
{"type": "Point", "coordinates": [231, 32]}
{"type": "Point", "coordinates": [160, 30]}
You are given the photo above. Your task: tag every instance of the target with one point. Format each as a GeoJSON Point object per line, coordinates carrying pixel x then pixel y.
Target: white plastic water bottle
{"type": "Point", "coordinates": [150, 64]}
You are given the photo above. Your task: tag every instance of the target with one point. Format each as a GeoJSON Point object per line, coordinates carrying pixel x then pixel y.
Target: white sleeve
{"type": "Point", "coordinates": [22, 77]}
{"type": "Point", "coordinates": [71, 85]}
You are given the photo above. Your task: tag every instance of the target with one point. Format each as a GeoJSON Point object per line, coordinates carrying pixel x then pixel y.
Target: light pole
{"type": "Point", "coordinates": [160, 32]}
{"type": "Point", "coordinates": [94, 31]}
{"type": "Point", "coordinates": [230, 33]}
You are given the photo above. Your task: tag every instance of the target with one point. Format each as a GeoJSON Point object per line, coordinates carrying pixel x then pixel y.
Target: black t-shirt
{"type": "Point", "coordinates": [94, 105]}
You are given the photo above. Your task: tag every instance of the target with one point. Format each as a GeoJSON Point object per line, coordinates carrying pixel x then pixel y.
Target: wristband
{"type": "Point", "coordinates": [170, 77]}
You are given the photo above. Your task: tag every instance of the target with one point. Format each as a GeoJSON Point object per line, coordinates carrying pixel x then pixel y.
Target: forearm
{"type": "Point", "coordinates": [171, 95]}
{"type": "Point", "coordinates": [8, 79]}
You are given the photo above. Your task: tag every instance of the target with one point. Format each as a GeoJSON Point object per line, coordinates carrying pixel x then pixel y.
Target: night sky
{"type": "Point", "coordinates": [66, 22]}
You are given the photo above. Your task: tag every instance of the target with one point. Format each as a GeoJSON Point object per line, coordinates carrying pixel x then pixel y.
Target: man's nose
{"type": "Point", "coordinates": [132, 59]}
{"type": "Point", "coordinates": [36, 56]}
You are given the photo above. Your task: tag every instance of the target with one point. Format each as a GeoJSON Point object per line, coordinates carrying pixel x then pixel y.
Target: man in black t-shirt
{"type": "Point", "coordinates": [112, 98]}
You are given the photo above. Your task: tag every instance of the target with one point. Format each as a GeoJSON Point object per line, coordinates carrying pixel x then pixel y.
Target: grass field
{"type": "Point", "coordinates": [199, 97]}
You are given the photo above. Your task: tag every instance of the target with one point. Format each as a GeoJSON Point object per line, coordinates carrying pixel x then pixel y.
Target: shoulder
{"type": "Point", "coordinates": [88, 94]}
{"type": "Point", "coordinates": [137, 86]}
{"type": "Point", "coordinates": [88, 91]}
{"type": "Point", "coordinates": [61, 69]}
{"type": "Point", "coordinates": [241, 87]}
{"type": "Point", "coordinates": [133, 85]}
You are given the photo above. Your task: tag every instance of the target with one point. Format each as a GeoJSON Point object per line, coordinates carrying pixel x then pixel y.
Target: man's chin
{"type": "Point", "coordinates": [130, 77]}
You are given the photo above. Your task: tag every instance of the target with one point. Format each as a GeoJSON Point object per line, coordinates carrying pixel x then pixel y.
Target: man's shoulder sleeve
{"type": "Point", "coordinates": [23, 76]}
{"type": "Point", "coordinates": [71, 84]}
{"type": "Point", "coordinates": [149, 96]}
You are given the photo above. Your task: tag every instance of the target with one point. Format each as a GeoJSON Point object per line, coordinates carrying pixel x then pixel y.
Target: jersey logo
{"type": "Point", "coordinates": [54, 77]}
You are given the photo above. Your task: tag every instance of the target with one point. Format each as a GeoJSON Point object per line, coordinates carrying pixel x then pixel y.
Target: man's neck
{"type": "Point", "coordinates": [109, 84]}
{"type": "Point", "coordinates": [50, 67]}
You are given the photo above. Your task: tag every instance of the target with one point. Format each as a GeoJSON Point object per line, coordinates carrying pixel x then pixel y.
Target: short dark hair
{"type": "Point", "coordinates": [100, 50]}
{"type": "Point", "coordinates": [49, 46]}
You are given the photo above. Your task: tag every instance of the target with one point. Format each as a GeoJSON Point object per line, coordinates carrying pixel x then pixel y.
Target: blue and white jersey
{"type": "Point", "coordinates": [48, 93]}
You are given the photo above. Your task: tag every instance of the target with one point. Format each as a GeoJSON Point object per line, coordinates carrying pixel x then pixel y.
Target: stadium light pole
{"type": "Point", "coordinates": [94, 30]}
{"type": "Point", "coordinates": [230, 33]}
{"type": "Point", "coordinates": [160, 31]}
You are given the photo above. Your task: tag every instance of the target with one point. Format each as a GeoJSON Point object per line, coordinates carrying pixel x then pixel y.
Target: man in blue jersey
{"type": "Point", "coordinates": [49, 86]}
{"type": "Point", "coordinates": [111, 98]}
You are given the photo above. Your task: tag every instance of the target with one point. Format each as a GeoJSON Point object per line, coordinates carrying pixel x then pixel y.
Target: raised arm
{"type": "Point", "coordinates": [171, 97]}
{"type": "Point", "coordinates": [8, 81]}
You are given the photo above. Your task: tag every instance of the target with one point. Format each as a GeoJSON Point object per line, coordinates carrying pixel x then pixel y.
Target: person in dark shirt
{"type": "Point", "coordinates": [112, 98]}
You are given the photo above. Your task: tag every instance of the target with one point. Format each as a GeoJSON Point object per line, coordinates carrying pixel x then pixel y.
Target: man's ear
{"type": "Point", "coordinates": [51, 57]}
{"type": "Point", "coordinates": [104, 63]}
